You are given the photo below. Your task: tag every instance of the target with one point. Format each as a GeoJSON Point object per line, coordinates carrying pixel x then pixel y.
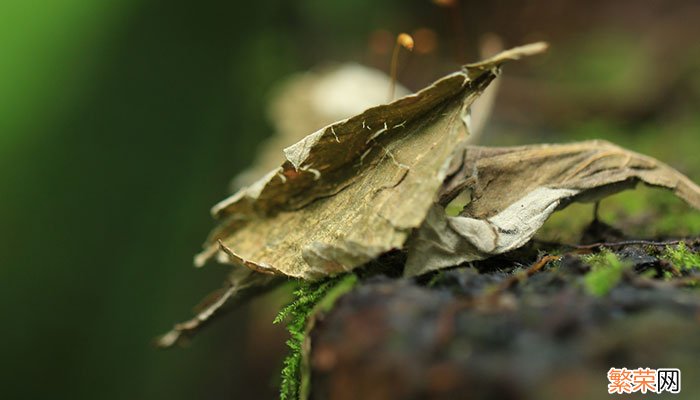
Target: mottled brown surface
{"type": "Point", "coordinates": [544, 338]}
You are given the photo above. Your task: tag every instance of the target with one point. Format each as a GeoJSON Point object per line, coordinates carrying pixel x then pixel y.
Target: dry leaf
{"type": "Point", "coordinates": [381, 181]}
{"type": "Point", "coordinates": [241, 285]}
{"type": "Point", "coordinates": [309, 101]}
{"type": "Point", "coordinates": [355, 189]}
{"type": "Point", "coordinates": [514, 190]}
{"type": "Point", "coordinates": [346, 193]}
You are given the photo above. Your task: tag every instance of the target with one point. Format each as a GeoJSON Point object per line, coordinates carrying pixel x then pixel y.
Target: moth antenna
{"type": "Point", "coordinates": [402, 40]}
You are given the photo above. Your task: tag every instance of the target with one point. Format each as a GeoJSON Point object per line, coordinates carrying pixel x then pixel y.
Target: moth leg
{"type": "Point", "coordinates": [596, 213]}
{"type": "Point", "coordinates": [242, 285]}
{"type": "Point", "coordinates": [188, 328]}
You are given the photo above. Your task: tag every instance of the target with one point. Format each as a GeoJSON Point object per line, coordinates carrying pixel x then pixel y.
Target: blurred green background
{"type": "Point", "coordinates": [122, 122]}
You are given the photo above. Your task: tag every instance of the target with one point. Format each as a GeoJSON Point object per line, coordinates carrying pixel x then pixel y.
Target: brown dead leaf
{"type": "Point", "coordinates": [355, 189]}
{"type": "Point", "coordinates": [241, 285]}
{"type": "Point", "coordinates": [308, 101]}
{"type": "Point", "coordinates": [514, 190]}
{"type": "Point", "coordinates": [381, 180]}
{"type": "Point", "coordinates": [346, 193]}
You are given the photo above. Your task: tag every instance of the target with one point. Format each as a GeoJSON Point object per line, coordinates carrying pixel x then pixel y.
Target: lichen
{"type": "Point", "coordinates": [309, 297]}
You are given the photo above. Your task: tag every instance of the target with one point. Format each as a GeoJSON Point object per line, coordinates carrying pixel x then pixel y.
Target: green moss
{"type": "Point", "coordinates": [341, 286]}
{"type": "Point", "coordinates": [681, 257]}
{"type": "Point", "coordinates": [308, 298]}
{"type": "Point", "coordinates": [606, 272]}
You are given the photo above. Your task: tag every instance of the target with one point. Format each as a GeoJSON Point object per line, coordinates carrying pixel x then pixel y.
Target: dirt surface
{"type": "Point", "coordinates": [522, 326]}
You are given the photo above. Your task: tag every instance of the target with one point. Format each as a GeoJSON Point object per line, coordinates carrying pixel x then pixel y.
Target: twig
{"type": "Point", "coordinates": [638, 242]}
{"type": "Point", "coordinates": [517, 278]}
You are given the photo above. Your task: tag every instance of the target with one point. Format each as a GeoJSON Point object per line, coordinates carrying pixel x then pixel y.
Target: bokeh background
{"type": "Point", "coordinates": [122, 122]}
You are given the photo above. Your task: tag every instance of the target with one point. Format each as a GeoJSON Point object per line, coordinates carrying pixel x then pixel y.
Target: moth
{"type": "Point", "coordinates": [380, 181]}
